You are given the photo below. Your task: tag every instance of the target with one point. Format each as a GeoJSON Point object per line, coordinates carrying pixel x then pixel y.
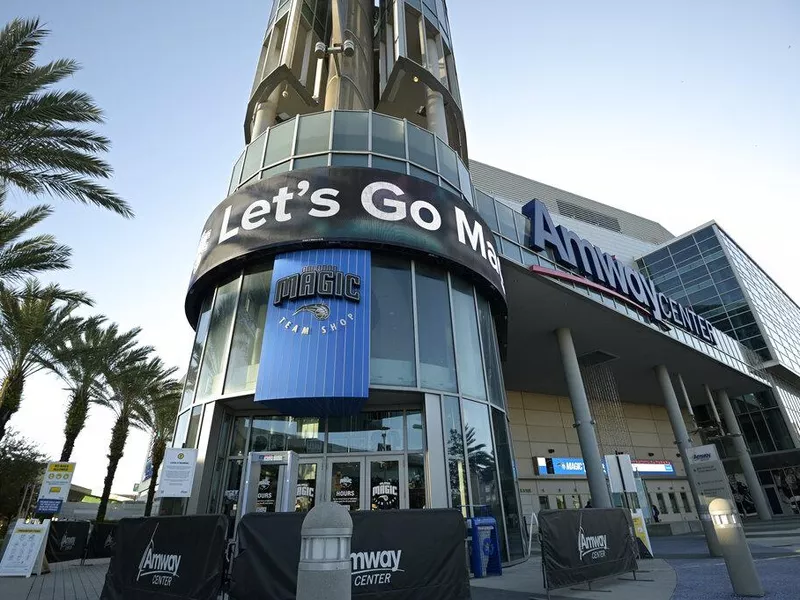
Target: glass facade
{"type": "Point", "coordinates": [354, 139]}
{"type": "Point", "coordinates": [695, 271]}
{"type": "Point", "coordinates": [431, 332]}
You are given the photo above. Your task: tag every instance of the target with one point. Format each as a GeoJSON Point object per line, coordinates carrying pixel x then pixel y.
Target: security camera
{"type": "Point", "coordinates": [348, 48]}
{"type": "Point", "coordinates": [319, 50]}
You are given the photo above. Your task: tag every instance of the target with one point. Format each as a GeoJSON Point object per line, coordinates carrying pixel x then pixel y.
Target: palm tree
{"type": "Point", "coordinates": [20, 258]}
{"type": "Point", "coordinates": [43, 148]}
{"type": "Point", "coordinates": [127, 392]}
{"type": "Point", "coordinates": [81, 360]}
{"type": "Point", "coordinates": [33, 321]}
{"type": "Point", "coordinates": [162, 410]}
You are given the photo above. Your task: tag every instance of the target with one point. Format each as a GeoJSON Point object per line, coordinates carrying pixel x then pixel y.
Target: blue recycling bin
{"type": "Point", "coordinates": [485, 547]}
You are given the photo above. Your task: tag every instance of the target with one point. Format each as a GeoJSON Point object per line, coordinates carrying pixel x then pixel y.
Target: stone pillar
{"type": "Point", "coordinates": [583, 421]}
{"type": "Point", "coordinates": [434, 101]}
{"type": "Point", "coordinates": [742, 454]}
{"type": "Point", "coordinates": [684, 442]}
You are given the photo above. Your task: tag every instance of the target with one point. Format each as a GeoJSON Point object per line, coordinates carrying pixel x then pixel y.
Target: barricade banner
{"type": "Point", "coordinates": [167, 557]}
{"type": "Point", "coordinates": [66, 540]}
{"type": "Point", "coordinates": [402, 554]}
{"type": "Point", "coordinates": [586, 544]}
{"type": "Point", "coordinates": [101, 540]}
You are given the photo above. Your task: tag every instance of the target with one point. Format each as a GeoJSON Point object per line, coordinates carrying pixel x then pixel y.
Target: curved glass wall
{"type": "Point", "coordinates": [431, 332]}
{"type": "Point", "coordinates": [352, 139]}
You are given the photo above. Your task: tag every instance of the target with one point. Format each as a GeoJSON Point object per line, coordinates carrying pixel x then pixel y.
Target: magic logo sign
{"type": "Point", "coordinates": [579, 254]}
{"type": "Point", "coordinates": [315, 351]}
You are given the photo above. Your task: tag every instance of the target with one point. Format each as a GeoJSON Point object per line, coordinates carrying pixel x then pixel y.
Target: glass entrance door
{"type": "Point", "coordinates": [346, 482]}
{"type": "Point", "coordinates": [386, 475]}
{"type": "Point", "coordinates": [309, 474]}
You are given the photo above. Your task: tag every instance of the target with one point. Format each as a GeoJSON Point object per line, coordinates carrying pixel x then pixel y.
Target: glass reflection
{"type": "Point", "coordinates": [491, 356]}
{"type": "Point", "coordinates": [415, 430]}
{"type": "Point", "coordinates": [508, 485]}
{"type": "Point", "coordinates": [306, 487]}
{"type": "Point", "coordinates": [384, 484]}
{"type": "Point", "coordinates": [456, 465]}
{"type": "Point", "coordinates": [275, 434]}
{"type": "Point", "coordinates": [366, 432]}
{"type": "Point", "coordinates": [392, 332]}
{"type": "Point", "coordinates": [210, 381]}
{"type": "Point", "coordinates": [468, 354]}
{"type": "Point", "coordinates": [436, 357]}
{"type": "Point", "coordinates": [197, 350]}
{"type": "Point", "coordinates": [416, 481]}
{"type": "Point", "coordinates": [248, 333]}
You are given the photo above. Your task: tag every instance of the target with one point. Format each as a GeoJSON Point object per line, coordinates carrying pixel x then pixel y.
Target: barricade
{"type": "Point", "coordinates": [167, 558]}
{"type": "Point", "coordinates": [580, 546]}
{"type": "Point", "coordinates": [402, 554]}
{"type": "Point", "coordinates": [66, 540]}
{"type": "Point", "coordinates": [101, 541]}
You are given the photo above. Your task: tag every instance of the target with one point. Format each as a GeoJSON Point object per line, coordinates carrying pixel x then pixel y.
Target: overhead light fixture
{"type": "Point", "coordinates": [416, 79]}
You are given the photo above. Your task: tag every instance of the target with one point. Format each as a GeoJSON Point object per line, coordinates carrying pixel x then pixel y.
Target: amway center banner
{"type": "Point", "coordinates": [315, 352]}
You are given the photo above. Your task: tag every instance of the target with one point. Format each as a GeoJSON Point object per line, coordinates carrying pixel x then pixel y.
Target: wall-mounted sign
{"type": "Point", "coordinates": [574, 252]}
{"type": "Point", "coordinates": [56, 483]}
{"type": "Point", "coordinates": [315, 352]}
{"type": "Point", "coordinates": [177, 473]}
{"type": "Point", "coordinates": [575, 466]}
{"type": "Point", "coordinates": [359, 206]}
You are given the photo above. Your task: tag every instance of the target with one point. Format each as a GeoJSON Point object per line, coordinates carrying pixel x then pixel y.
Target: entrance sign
{"type": "Point", "coordinates": [56, 482]}
{"type": "Point", "coordinates": [360, 206]}
{"type": "Point", "coordinates": [585, 544]}
{"type": "Point", "coordinates": [710, 477]}
{"type": "Point", "coordinates": [167, 557]}
{"type": "Point", "coordinates": [391, 555]}
{"type": "Point", "coordinates": [25, 551]}
{"type": "Point", "coordinates": [574, 252]}
{"type": "Point", "coordinates": [177, 473]}
{"type": "Point", "coordinates": [315, 351]}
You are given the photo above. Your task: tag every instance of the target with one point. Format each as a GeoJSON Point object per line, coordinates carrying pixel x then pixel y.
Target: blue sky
{"type": "Point", "coordinates": [679, 111]}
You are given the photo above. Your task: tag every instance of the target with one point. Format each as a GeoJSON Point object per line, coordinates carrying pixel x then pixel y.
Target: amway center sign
{"type": "Point", "coordinates": [359, 207]}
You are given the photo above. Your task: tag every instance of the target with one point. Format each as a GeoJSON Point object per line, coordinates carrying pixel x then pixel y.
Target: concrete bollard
{"type": "Point", "coordinates": [324, 569]}
{"type": "Point", "coordinates": [738, 560]}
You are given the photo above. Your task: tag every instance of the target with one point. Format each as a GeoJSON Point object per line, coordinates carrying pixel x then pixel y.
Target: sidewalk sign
{"type": "Point", "coordinates": [710, 477]}
{"type": "Point", "coordinates": [177, 473]}
{"type": "Point", "coordinates": [55, 486]}
{"type": "Point", "coordinates": [25, 552]}
{"type": "Point", "coordinates": [640, 529]}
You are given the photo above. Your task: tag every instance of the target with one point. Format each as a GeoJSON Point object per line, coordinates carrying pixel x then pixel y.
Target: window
{"type": "Point", "coordinates": [486, 209]}
{"type": "Point", "coordinates": [252, 160]}
{"type": "Point", "coordinates": [197, 350]}
{"type": "Point", "coordinates": [313, 133]}
{"type": "Point", "coordinates": [209, 383]}
{"type": "Point", "coordinates": [505, 218]}
{"type": "Point", "coordinates": [505, 465]}
{"type": "Point", "coordinates": [349, 160]}
{"type": "Point", "coordinates": [416, 481]}
{"type": "Point", "coordinates": [279, 144]}
{"type": "Point", "coordinates": [180, 430]}
{"type": "Point", "coordinates": [311, 162]}
{"type": "Point", "coordinates": [687, 506]}
{"type": "Point", "coordinates": [436, 358]}
{"type": "Point", "coordinates": [561, 502]}
{"type": "Point", "coordinates": [662, 505]}
{"type": "Point", "coordinates": [392, 359]}
{"type": "Point", "coordinates": [193, 431]}
{"type": "Point", "coordinates": [241, 429]}
{"type": "Point", "coordinates": [482, 463]}
{"type": "Point", "coordinates": [387, 136]}
{"type": "Point", "coordinates": [415, 430]}
{"type": "Point", "coordinates": [304, 435]}
{"type": "Point", "coordinates": [248, 332]}
{"type": "Point", "coordinates": [544, 502]}
{"type": "Point", "coordinates": [366, 432]}
{"type": "Point", "coordinates": [350, 130]}
{"type": "Point", "coordinates": [468, 350]}
{"type": "Point", "coordinates": [421, 149]}
{"type": "Point", "coordinates": [448, 163]}
{"type": "Point", "coordinates": [456, 464]}
{"type": "Point", "coordinates": [491, 357]}
{"type": "Point", "coordinates": [388, 164]}
{"type": "Point", "coordinates": [673, 500]}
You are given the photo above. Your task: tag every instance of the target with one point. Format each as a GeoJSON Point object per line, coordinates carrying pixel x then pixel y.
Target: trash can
{"type": "Point", "coordinates": [484, 546]}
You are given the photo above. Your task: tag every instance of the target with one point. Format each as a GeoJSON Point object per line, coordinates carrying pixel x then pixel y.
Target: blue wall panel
{"type": "Point", "coordinates": [315, 354]}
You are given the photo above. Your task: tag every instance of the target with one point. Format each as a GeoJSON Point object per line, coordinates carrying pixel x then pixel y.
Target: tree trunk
{"type": "Point", "coordinates": [159, 447]}
{"type": "Point", "coordinates": [10, 396]}
{"type": "Point", "coordinates": [77, 413]}
{"type": "Point", "coordinates": [119, 435]}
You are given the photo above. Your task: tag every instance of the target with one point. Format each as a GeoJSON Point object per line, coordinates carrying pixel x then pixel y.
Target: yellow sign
{"type": "Point", "coordinates": [55, 490]}
{"type": "Point", "coordinates": [64, 467]}
{"type": "Point", "coordinates": [640, 528]}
